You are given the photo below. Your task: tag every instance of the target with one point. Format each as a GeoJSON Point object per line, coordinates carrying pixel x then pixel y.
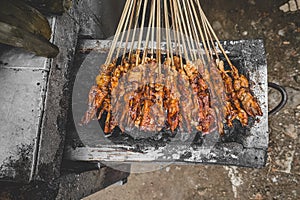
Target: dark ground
{"type": "Point", "coordinates": [280, 179]}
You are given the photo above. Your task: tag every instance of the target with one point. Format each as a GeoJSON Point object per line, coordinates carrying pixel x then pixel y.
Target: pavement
{"type": "Point", "coordinates": [279, 179]}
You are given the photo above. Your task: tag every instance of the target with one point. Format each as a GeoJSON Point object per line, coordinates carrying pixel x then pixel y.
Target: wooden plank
{"type": "Point", "coordinates": [21, 15]}
{"type": "Point", "coordinates": [25, 27]}
{"type": "Point", "coordinates": [19, 37]}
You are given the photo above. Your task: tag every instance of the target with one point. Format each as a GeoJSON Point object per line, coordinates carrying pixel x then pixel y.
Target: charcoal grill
{"type": "Point", "coordinates": [241, 146]}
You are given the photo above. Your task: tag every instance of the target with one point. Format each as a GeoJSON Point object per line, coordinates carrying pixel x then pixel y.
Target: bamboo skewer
{"type": "Point", "coordinates": [148, 33]}
{"type": "Point", "coordinates": [126, 27]}
{"type": "Point", "coordinates": [141, 31]}
{"type": "Point", "coordinates": [129, 31]}
{"type": "Point", "coordinates": [181, 24]}
{"type": "Point", "coordinates": [119, 29]}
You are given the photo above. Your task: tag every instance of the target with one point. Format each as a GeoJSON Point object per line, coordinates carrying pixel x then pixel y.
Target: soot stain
{"type": "Point", "coordinates": [21, 167]}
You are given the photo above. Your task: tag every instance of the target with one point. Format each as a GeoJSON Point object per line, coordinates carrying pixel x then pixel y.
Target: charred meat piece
{"type": "Point", "coordinates": [177, 94]}
{"type": "Point", "coordinates": [240, 102]}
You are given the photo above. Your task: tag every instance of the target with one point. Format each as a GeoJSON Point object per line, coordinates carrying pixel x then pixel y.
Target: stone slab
{"type": "Point", "coordinates": [21, 96]}
{"type": "Point", "coordinates": [17, 58]}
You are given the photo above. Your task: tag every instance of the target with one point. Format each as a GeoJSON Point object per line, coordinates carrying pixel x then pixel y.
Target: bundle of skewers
{"type": "Point", "coordinates": [164, 71]}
